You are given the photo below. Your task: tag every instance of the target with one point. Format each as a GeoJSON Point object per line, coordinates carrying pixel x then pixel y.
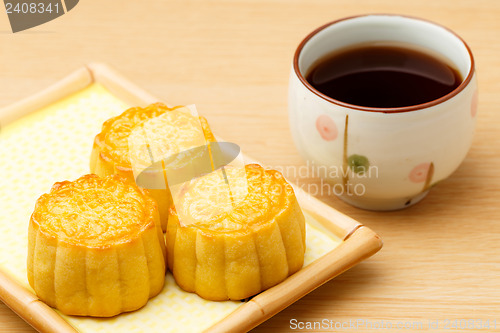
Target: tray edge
{"type": "Point", "coordinates": [360, 245]}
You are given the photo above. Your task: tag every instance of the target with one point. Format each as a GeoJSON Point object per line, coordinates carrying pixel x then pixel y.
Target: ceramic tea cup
{"type": "Point", "coordinates": [382, 158]}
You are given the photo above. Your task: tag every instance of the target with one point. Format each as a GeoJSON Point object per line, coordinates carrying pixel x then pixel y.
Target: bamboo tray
{"type": "Point", "coordinates": [47, 138]}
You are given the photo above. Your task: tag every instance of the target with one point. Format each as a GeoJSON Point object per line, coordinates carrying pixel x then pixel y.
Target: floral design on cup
{"type": "Point", "coordinates": [423, 173]}
{"type": "Point", "coordinates": [419, 173]}
{"type": "Point", "coordinates": [358, 163]}
{"type": "Point", "coordinates": [473, 107]}
{"type": "Point", "coordinates": [326, 128]}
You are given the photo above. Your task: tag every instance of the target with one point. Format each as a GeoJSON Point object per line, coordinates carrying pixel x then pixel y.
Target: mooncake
{"type": "Point", "coordinates": [110, 152]}
{"type": "Point", "coordinates": [95, 247]}
{"type": "Point", "coordinates": [223, 251]}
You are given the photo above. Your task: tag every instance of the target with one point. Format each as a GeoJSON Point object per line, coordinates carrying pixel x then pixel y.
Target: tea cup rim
{"type": "Point", "coordinates": [416, 107]}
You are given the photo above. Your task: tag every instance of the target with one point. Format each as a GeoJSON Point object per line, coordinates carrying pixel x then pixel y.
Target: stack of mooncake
{"type": "Point", "coordinates": [96, 246]}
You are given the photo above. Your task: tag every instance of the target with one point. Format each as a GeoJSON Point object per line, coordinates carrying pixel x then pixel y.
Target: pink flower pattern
{"type": "Point", "coordinates": [419, 173]}
{"type": "Point", "coordinates": [326, 128]}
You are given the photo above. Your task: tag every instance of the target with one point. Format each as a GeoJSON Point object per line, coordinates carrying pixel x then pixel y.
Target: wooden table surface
{"type": "Point", "coordinates": [441, 258]}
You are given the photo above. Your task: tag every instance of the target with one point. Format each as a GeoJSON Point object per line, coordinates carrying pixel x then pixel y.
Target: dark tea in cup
{"type": "Point", "coordinates": [383, 75]}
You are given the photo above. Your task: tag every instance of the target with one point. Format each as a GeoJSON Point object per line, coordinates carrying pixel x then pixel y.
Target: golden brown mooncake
{"type": "Point", "coordinates": [110, 152]}
{"type": "Point", "coordinates": [95, 247]}
{"type": "Point", "coordinates": [221, 251]}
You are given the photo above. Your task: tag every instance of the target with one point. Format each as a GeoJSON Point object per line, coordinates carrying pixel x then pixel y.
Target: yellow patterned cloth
{"type": "Point", "coordinates": [54, 144]}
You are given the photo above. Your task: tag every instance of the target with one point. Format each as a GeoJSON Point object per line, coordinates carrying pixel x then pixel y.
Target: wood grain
{"type": "Point", "coordinates": [441, 258]}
